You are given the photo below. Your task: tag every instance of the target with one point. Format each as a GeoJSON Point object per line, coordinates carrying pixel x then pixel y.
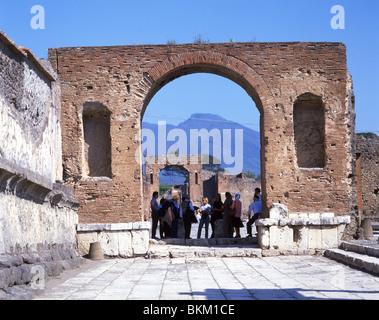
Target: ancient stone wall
{"type": "Point", "coordinates": [37, 213]}
{"type": "Point", "coordinates": [276, 75]}
{"type": "Point", "coordinates": [369, 149]}
{"type": "Point", "coordinates": [30, 121]}
{"type": "Point", "coordinates": [238, 184]}
{"type": "Point", "coordinates": [153, 168]}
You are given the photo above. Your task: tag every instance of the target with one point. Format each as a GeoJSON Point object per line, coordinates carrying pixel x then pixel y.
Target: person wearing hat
{"type": "Point", "coordinates": [236, 219]}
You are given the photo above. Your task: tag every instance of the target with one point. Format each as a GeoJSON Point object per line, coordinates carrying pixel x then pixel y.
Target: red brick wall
{"type": "Point", "coordinates": [125, 78]}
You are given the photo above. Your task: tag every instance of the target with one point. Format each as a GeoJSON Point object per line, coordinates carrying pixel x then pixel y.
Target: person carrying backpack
{"type": "Point", "coordinates": [187, 213]}
{"type": "Point", "coordinates": [168, 217]}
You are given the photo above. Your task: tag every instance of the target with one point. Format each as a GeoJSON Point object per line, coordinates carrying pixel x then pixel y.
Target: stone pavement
{"type": "Point", "coordinates": [213, 278]}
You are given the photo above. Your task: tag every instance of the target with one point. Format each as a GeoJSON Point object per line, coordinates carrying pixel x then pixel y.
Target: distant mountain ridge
{"type": "Point", "coordinates": [208, 121]}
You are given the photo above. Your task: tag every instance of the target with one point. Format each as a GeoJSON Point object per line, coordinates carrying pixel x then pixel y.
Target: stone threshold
{"type": "Point", "coordinates": [204, 248]}
{"type": "Point", "coordinates": [206, 242]}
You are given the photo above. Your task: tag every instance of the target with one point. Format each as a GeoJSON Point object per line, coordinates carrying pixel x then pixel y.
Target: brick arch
{"type": "Point", "coordinates": [154, 167]}
{"type": "Point", "coordinates": [125, 78]}
{"type": "Point", "coordinates": [183, 167]}
{"type": "Point", "coordinates": [221, 64]}
{"type": "Point", "coordinates": [201, 61]}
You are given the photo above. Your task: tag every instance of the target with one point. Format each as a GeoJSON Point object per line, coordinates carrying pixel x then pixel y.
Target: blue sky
{"type": "Point", "coordinates": [116, 22]}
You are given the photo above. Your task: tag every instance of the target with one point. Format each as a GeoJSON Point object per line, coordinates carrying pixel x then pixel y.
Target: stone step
{"type": "Point", "coordinates": [206, 242]}
{"type": "Point", "coordinates": [366, 247]}
{"type": "Point", "coordinates": [354, 259]}
{"type": "Point", "coordinates": [172, 251]}
{"type": "Point", "coordinates": [215, 247]}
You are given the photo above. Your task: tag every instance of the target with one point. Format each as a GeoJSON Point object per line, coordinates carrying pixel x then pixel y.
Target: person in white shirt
{"type": "Point", "coordinates": [250, 210]}
{"type": "Point", "coordinates": [204, 210]}
{"type": "Point", "coordinates": [257, 192]}
{"type": "Point", "coordinates": [256, 207]}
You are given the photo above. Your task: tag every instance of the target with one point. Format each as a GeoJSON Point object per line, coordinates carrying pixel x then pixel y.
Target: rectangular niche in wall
{"type": "Point", "coordinates": [97, 140]}
{"type": "Point", "coordinates": [309, 130]}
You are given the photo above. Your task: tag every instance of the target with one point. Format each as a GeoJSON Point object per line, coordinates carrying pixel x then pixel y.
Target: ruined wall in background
{"type": "Point", "coordinates": [369, 148]}
{"type": "Point", "coordinates": [151, 180]}
{"type": "Point", "coordinates": [238, 184]}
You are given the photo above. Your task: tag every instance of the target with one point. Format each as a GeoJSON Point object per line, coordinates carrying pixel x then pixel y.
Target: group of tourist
{"type": "Point", "coordinates": [168, 213]}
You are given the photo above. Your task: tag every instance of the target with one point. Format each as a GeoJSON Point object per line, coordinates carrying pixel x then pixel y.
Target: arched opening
{"type": "Point", "coordinates": [204, 68]}
{"type": "Point", "coordinates": [215, 107]}
{"type": "Point", "coordinates": [147, 70]}
{"type": "Point", "coordinates": [174, 177]}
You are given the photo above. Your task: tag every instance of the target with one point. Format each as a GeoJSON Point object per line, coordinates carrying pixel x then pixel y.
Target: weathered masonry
{"type": "Point", "coordinates": [37, 213]}
{"type": "Point", "coordinates": [153, 169]}
{"type": "Point", "coordinates": [302, 90]}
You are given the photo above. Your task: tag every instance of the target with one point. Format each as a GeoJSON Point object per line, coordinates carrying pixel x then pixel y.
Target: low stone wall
{"type": "Point", "coordinates": [300, 232]}
{"type": "Point", "coordinates": [23, 273]}
{"type": "Point", "coordinates": [124, 240]}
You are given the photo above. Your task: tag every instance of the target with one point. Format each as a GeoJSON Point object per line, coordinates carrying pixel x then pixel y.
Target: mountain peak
{"type": "Point", "coordinates": [209, 121]}
{"type": "Point", "coordinates": [205, 116]}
